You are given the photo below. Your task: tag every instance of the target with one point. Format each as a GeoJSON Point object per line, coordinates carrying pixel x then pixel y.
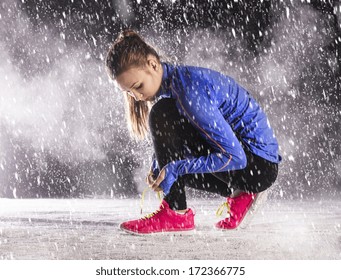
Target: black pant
{"type": "Point", "coordinates": [174, 138]}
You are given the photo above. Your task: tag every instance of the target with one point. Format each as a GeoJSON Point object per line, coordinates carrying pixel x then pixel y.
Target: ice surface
{"type": "Point", "coordinates": [88, 229]}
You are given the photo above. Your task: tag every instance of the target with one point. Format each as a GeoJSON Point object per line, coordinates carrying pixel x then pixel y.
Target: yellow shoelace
{"type": "Point", "coordinates": [220, 209]}
{"type": "Point", "coordinates": [152, 214]}
{"type": "Point", "coordinates": [142, 200]}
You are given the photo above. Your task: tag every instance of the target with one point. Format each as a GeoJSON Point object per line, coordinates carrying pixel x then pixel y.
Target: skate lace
{"type": "Point", "coordinates": [221, 208]}
{"type": "Point", "coordinates": [148, 216]}
{"type": "Point", "coordinates": [159, 194]}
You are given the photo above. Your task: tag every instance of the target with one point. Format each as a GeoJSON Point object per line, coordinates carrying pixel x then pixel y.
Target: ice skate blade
{"type": "Point", "coordinates": [162, 233]}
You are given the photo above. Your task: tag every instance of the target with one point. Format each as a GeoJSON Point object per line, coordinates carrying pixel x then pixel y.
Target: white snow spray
{"type": "Point", "coordinates": [59, 114]}
{"type": "Point", "coordinates": [296, 73]}
{"type": "Point", "coordinates": [52, 110]}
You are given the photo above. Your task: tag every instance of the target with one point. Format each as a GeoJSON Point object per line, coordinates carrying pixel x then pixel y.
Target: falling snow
{"type": "Point", "coordinates": [63, 132]}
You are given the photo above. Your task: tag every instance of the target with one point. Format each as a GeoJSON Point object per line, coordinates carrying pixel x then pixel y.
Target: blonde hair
{"type": "Point", "coordinates": [127, 51]}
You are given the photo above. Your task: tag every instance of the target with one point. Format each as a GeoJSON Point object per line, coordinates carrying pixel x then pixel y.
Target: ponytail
{"type": "Point", "coordinates": [127, 51]}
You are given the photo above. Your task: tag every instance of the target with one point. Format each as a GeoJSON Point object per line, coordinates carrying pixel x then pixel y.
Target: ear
{"type": "Point", "coordinates": [153, 62]}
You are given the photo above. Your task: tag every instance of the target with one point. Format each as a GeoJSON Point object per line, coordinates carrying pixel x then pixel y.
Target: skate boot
{"type": "Point", "coordinates": [162, 220]}
{"type": "Point", "coordinates": [238, 208]}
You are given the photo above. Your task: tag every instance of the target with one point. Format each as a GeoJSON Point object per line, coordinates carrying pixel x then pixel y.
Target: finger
{"type": "Point", "coordinates": [154, 186]}
{"type": "Point", "coordinates": [150, 180]}
{"type": "Point", "coordinates": [156, 183]}
{"type": "Point", "coordinates": [158, 189]}
{"type": "Point", "coordinates": [160, 178]}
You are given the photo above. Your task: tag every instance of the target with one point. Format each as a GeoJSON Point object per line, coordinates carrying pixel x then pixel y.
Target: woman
{"type": "Point", "coordinates": [208, 133]}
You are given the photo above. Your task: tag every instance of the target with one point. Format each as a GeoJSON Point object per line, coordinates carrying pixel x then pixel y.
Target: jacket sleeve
{"type": "Point", "coordinates": [199, 107]}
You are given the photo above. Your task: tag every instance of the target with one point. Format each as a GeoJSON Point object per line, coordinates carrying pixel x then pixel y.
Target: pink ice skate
{"type": "Point", "coordinates": [162, 220]}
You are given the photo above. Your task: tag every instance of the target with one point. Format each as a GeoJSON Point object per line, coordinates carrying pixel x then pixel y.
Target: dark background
{"type": "Point", "coordinates": [62, 123]}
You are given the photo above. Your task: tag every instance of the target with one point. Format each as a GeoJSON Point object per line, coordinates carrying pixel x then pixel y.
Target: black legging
{"type": "Point", "coordinates": [174, 138]}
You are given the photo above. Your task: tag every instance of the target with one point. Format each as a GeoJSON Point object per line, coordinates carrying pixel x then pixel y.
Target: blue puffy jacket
{"type": "Point", "coordinates": [220, 109]}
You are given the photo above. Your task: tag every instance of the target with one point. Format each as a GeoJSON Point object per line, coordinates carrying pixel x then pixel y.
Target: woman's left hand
{"type": "Point", "coordinates": [156, 185]}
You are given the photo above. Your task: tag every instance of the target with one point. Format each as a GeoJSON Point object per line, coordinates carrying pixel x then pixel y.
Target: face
{"type": "Point", "coordinates": [142, 83]}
